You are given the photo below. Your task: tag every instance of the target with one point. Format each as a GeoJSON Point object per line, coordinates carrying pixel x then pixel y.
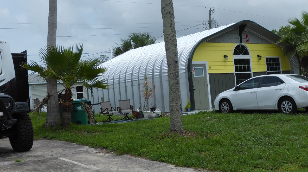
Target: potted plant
{"type": "Point", "coordinates": [153, 108]}
{"type": "Point", "coordinates": [187, 107]}
{"type": "Point", "coordinates": [147, 93]}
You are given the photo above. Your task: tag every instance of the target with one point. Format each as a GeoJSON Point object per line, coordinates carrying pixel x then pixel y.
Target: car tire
{"type": "Point", "coordinates": [225, 106]}
{"type": "Point", "coordinates": [287, 106]}
{"type": "Point", "coordinates": [22, 140]}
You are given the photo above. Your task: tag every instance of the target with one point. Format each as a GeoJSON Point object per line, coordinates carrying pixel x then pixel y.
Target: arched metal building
{"type": "Point", "coordinates": [126, 73]}
{"type": "Point", "coordinates": [204, 50]}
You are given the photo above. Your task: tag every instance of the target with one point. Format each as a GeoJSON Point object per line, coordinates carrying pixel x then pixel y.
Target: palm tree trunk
{"type": "Point", "coordinates": [53, 114]}
{"type": "Point", "coordinates": [167, 11]}
{"type": "Point", "coordinates": [67, 106]}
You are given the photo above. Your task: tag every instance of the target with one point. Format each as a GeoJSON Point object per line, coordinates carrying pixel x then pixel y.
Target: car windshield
{"type": "Point", "coordinates": [298, 78]}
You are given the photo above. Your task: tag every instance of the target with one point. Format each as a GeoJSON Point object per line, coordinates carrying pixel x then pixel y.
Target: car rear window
{"type": "Point", "coordinates": [298, 78]}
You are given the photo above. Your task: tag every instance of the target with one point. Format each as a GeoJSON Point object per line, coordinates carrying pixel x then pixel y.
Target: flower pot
{"type": "Point", "coordinates": [135, 114]}
{"type": "Point", "coordinates": [188, 109]}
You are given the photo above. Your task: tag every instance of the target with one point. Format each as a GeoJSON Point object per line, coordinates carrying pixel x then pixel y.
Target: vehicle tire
{"type": "Point", "coordinates": [22, 140]}
{"type": "Point", "coordinates": [287, 106]}
{"type": "Point", "coordinates": [225, 106]}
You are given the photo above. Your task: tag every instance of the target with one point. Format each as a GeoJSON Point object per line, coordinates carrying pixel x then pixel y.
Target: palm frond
{"type": "Point", "coordinates": [303, 49]}
{"type": "Point", "coordinates": [298, 27]}
{"type": "Point", "coordinates": [96, 83]}
{"type": "Point", "coordinates": [305, 18]}
{"type": "Point", "coordinates": [66, 65]}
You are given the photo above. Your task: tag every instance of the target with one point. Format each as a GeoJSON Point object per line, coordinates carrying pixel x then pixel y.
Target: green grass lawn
{"type": "Point", "coordinates": [213, 141]}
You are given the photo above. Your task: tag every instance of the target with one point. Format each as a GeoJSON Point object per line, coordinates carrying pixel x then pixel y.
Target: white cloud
{"type": "Point", "coordinates": [4, 13]}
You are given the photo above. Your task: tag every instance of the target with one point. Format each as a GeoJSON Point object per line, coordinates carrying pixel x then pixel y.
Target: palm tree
{"type": "Point", "coordinates": [66, 66]}
{"type": "Point", "coordinates": [173, 66]}
{"type": "Point", "coordinates": [294, 40]}
{"type": "Point", "coordinates": [134, 40]}
{"type": "Point", "coordinates": [53, 114]}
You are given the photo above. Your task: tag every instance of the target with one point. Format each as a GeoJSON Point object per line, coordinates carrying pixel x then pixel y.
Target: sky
{"type": "Point", "coordinates": [99, 25]}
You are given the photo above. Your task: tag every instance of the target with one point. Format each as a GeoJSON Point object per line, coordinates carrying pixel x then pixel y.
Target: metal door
{"type": "Point", "coordinates": [200, 85]}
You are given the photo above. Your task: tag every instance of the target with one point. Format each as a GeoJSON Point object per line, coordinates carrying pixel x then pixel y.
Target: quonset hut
{"type": "Point", "coordinates": [210, 62]}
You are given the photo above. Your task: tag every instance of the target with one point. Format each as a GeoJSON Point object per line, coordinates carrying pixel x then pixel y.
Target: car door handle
{"type": "Point", "coordinates": [253, 92]}
{"type": "Point", "coordinates": [278, 89]}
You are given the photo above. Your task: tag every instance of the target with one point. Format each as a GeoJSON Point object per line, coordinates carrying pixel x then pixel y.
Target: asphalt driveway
{"type": "Point", "coordinates": [50, 155]}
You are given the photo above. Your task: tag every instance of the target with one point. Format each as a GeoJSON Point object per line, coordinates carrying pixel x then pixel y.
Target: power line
{"type": "Point", "coordinates": [144, 25]}
{"type": "Point", "coordinates": [249, 13]}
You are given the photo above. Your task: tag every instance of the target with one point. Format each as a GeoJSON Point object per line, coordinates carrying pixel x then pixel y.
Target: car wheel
{"type": "Point", "coordinates": [225, 106]}
{"type": "Point", "coordinates": [22, 140]}
{"type": "Point", "coordinates": [287, 106]}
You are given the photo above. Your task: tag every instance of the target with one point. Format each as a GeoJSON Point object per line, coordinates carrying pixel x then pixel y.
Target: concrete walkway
{"type": "Point", "coordinates": [51, 155]}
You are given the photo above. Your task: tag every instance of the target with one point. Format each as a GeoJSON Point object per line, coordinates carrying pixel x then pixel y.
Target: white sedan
{"type": "Point", "coordinates": [283, 92]}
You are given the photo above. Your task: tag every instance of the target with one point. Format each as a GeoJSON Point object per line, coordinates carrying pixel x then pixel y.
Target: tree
{"type": "Point", "coordinates": [53, 114]}
{"type": "Point", "coordinates": [283, 31]}
{"type": "Point", "coordinates": [67, 66]}
{"type": "Point", "coordinates": [294, 40]}
{"type": "Point", "coordinates": [167, 11]}
{"type": "Point", "coordinates": [134, 40]}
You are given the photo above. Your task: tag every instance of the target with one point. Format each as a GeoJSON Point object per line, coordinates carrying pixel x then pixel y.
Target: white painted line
{"type": "Point", "coordinates": [5, 163]}
{"type": "Point", "coordinates": [77, 163]}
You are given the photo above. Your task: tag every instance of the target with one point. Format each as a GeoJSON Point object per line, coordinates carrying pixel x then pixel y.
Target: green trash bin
{"type": "Point", "coordinates": [79, 114]}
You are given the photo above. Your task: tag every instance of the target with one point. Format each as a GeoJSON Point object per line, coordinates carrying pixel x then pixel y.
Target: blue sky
{"type": "Point", "coordinates": [100, 24]}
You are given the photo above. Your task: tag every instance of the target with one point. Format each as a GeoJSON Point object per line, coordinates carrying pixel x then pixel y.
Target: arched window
{"type": "Point", "coordinates": [240, 50]}
{"type": "Point", "coordinates": [242, 63]}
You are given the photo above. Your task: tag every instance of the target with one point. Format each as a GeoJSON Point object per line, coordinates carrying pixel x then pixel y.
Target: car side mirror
{"type": "Point", "coordinates": [236, 88]}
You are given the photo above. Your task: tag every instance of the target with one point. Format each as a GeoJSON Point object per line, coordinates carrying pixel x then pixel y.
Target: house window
{"type": "Point", "coordinates": [273, 65]}
{"type": "Point", "coordinates": [79, 92]}
{"type": "Point", "coordinates": [198, 72]}
{"type": "Point", "coordinates": [242, 64]}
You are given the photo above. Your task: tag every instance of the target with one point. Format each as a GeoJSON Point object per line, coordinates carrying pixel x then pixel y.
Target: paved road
{"type": "Point", "coordinates": [50, 155]}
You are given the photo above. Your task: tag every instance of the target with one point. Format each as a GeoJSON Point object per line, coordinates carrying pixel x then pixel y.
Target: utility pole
{"type": "Point", "coordinates": [211, 11]}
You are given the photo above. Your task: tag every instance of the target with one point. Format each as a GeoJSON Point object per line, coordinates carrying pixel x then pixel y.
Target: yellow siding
{"type": "Point", "coordinates": [266, 50]}
{"type": "Point", "coordinates": [213, 53]}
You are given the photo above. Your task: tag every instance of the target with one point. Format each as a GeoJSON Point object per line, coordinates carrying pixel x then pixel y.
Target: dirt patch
{"type": "Point", "coordinates": [185, 134]}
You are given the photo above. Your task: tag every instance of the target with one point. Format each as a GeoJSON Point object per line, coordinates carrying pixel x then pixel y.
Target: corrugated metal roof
{"type": "Point", "coordinates": [152, 58]}
{"type": "Point", "coordinates": [35, 79]}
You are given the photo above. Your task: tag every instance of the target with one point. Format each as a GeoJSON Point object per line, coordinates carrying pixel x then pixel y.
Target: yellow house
{"type": "Point", "coordinates": [210, 62]}
{"type": "Point", "coordinates": [231, 56]}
